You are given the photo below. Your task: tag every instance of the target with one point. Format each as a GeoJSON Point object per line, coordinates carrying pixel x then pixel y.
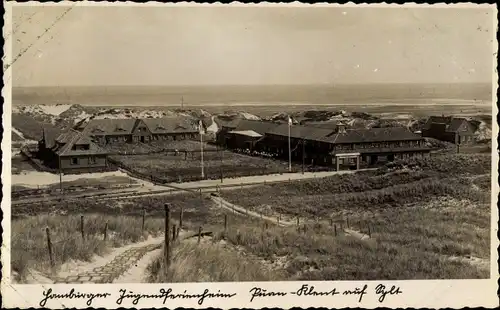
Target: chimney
{"type": "Point", "coordinates": [341, 128]}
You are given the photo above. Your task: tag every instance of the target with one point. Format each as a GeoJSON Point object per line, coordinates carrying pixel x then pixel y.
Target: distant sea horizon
{"type": "Point", "coordinates": [242, 95]}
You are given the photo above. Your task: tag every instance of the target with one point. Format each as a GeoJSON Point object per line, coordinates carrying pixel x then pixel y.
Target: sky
{"type": "Point", "coordinates": [100, 46]}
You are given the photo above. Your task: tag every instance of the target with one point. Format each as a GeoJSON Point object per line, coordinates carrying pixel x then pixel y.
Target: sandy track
{"type": "Point", "coordinates": [220, 202]}
{"type": "Point", "coordinates": [206, 186]}
{"type": "Point", "coordinates": [126, 264]}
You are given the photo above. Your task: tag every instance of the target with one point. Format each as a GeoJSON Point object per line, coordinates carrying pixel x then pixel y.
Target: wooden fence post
{"type": "Point", "coordinates": [331, 222]}
{"type": "Point", "coordinates": [105, 231]}
{"type": "Point", "coordinates": [174, 230]}
{"type": "Point", "coordinates": [49, 246]}
{"type": "Point", "coordinates": [278, 220]}
{"type": "Point", "coordinates": [305, 228]}
{"type": "Point", "coordinates": [369, 230]}
{"type": "Point", "coordinates": [199, 234]}
{"type": "Point", "coordinates": [81, 227]}
{"type": "Point", "coordinates": [178, 232]}
{"type": "Point", "coordinates": [143, 218]}
{"type": "Point", "coordinates": [181, 214]}
{"type": "Point", "coordinates": [347, 223]}
{"type": "Point", "coordinates": [167, 237]}
{"type": "Point", "coordinates": [298, 222]}
{"type": "Point", "coordinates": [225, 222]}
{"type": "Point", "coordinates": [335, 229]}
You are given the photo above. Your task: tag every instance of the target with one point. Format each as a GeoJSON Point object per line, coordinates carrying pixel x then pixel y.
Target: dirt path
{"type": "Point", "coordinates": [127, 264]}
{"type": "Point", "coordinates": [258, 179]}
{"type": "Point", "coordinates": [113, 266]}
{"type": "Point", "coordinates": [138, 272]}
{"type": "Point", "coordinates": [220, 202]}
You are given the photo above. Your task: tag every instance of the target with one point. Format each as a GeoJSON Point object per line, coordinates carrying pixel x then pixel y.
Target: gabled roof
{"type": "Point", "coordinates": [74, 137]}
{"type": "Point", "coordinates": [260, 127]}
{"type": "Point", "coordinates": [170, 125]}
{"type": "Point", "coordinates": [455, 124]}
{"type": "Point", "coordinates": [349, 136]}
{"type": "Point", "coordinates": [229, 123]}
{"type": "Point", "coordinates": [452, 124]}
{"type": "Point", "coordinates": [248, 133]}
{"type": "Point", "coordinates": [373, 135]}
{"type": "Point", "coordinates": [50, 135]}
{"type": "Point", "coordinates": [301, 132]}
{"type": "Point", "coordinates": [110, 127]}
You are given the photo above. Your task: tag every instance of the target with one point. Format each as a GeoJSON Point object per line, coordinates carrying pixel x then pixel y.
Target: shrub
{"type": "Point", "coordinates": [450, 164]}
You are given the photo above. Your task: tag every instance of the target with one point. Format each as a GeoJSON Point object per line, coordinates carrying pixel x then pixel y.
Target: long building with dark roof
{"type": "Point", "coordinates": [105, 131]}
{"type": "Point", "coordinates": [339, 146]}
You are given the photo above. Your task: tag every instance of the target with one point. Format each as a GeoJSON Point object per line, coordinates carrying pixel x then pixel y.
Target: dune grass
{"type": "Point", "coordinates": [419, 220]}
{"type": "Point", "coordinates": [390, 186]}
{"type": "Point", "coordinates": [417, 242]}
{"type": "Point", "coordinates": [29, 240]}
{"type": "Point", "coordinates": [420, 215]}
{"type": "Point", "coordinates": [208, 262]}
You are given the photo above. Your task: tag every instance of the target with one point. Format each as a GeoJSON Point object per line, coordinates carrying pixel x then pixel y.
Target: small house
{"type": "Point", "coordinates": [72, 152]}
{"type": "Point", "coordinates": [456, 130]}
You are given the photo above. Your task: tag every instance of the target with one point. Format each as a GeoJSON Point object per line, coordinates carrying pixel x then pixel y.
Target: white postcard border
{"type": "Point", "coordinates": [415, 293]}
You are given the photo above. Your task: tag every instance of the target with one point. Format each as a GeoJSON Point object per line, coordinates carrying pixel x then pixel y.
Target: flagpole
{"type": "Point", "coordinates": [289, 145]}
{"type": "Point", "coordinates": [201, 147]}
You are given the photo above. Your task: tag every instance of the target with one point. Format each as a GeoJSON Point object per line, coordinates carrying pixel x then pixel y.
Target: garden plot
{"type": "Point", "coordinates": [181, 167]}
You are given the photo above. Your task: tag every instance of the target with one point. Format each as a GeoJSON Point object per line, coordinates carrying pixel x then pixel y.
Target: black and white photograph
{"type": "Point", "coordinates": [180, 144]}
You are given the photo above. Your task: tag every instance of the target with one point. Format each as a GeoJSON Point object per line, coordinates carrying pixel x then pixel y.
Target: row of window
{"type": "Point", "coordinates": [77, 161]}
{"type": "Point", "coordinates": [337, 147]}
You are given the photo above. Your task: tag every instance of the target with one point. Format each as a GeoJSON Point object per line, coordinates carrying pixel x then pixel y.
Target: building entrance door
{"type": "Point", "coordinates": [142, 139]}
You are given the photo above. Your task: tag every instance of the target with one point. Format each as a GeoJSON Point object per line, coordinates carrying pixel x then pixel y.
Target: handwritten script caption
{"type": "Point", "coordinates": [168, 294]}
{"type": "Point", "coordinates": [307, 290]}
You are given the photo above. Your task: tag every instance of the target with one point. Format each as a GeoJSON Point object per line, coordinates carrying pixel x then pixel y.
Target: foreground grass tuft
{"type": "Point", "coordinates": [207, 262]}
{"type": "Point", "coordinates": [29, 241]}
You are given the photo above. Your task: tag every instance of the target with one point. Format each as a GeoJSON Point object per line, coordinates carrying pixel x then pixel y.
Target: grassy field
{"type": "Point", "coordinates": [428, 219]}
{"type": "Point", "coordinates": [422, 241]}
{"type": "Point", "coordinates": [128, 148]}
{"type": "Point", "coordinates": [29, 244]}
{"type": "Point", "coordinates": [183, 167]}
{"type": "Point", "coordinates": [428, 222]}
{"type": "Point", "coordinates": [182, 145]}
{"type": "Point", "coordinates": [209, 262]}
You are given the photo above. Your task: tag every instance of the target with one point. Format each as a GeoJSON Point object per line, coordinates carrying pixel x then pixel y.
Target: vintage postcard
{"type": "Point", "coordinates": [248, 156]}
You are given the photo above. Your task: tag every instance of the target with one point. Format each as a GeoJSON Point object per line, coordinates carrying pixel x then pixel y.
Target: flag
{"type": "Point", "coordinates": [200, 127]}
{"type": "Point", "coordinates": [201, 149]}
{"type": "Point", "coordinates": [289, 145]}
